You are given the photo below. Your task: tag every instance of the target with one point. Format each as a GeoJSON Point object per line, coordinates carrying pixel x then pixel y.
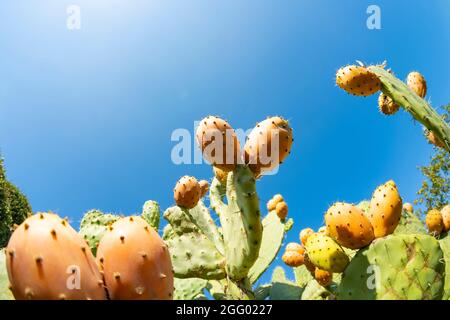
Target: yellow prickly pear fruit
{"type": "Point", "coordinates": [218, 142]}
{"type": "Point", "coordinates": [187, 192]}
{"type": "Point", "coordinates": [417, 83]}
{"type": "Point", "coordinates": [386, 105]}
{"type": "Point", "coordinates": [293, 255]}
{"type": "Point", "coordinates": [304, 234]}
{"type": "Point", "coordinates": [47, 260]}
{"type": "Point", "coordinates": [221, 175]}
{"type": "Point", "coordinates": [445, 212]}
{"type": "Point", "coordinates": [435, 222]}
{"type": "Point", "coordinates": [204, 187]}
{"type": "Point", "coordinates": [282, 210]}
{"type": "Point", "coordinates": [325, 253]}
{"type": "Point", "coordinates": [357, 80]}
{"type": "Point", "coordinates": [323, 230]}
{"type": "Point", "coordinates": [385, 209]}
{"type": "Point", "coordinates": [323, 277]}
{"type": "Point", "coordinates": [349, 226]}
{"type": "Point", "coordinates": [135, 262]}
{"type": "Point", "coordinates": [268, 144]}
{"type": "Point", "coordinates": [272, 203]}
{"type": "Point", "coordinates": [408, 207]}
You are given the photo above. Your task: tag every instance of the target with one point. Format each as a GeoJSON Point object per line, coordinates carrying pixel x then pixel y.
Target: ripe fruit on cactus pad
{"type": "Point", "coordinates": [293, 255]}
{"type": "Point", "coordinates": [204, 187]}
{"type": "Point", "coordinates": [282, 210]}
{"type": "Point", "coordinates": [357, 80]}
{"type": "Point", "coordinates": [268, 144]}
{"type": "Point", "coordinates": [135, 261]}
{"type": "Point", "coordinates": [323, 277]}
{"type": "Point", "coordinates": [304, 234]}
{"type": "Point", "coordinates": [445, 212]}
{"type": "Point", "coordinates": [187, 192]}
{"type": "Point", "coordinates": [47, 259]}
{"type": "Point", "coordinates": [325, 253]}
{"type": "Point", "coordinates": [434, 222]}
{"type": "Point", "coordinates": [218, 142]}
{"type": "Point", "coordinates": [386, 105]}
{"type": "Point", "coordinates": [417, 83]}
{"type": "Point", "coordinates": [272, 203]}
{"type": "Point", "coordinates": [349, 226]}
{"type": "Point", "coordinates": [385, 209]}
{"type": "Point", "coordinates": [433, 139]}
{"type": "Point", "coordinates": [408, 207]}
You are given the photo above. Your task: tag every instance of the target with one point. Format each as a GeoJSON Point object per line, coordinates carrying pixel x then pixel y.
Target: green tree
{"type": "Point", "coordinates": [435, 189]}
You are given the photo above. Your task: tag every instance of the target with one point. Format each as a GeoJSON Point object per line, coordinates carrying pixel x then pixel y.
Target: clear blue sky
{"type": "Point", "coordinates": [86, 116]}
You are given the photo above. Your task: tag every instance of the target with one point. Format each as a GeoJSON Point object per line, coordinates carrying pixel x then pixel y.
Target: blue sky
{"type": "Point", "coordinates": [86, 115]}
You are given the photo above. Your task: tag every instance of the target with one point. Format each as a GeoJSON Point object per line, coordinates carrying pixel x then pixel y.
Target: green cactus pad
{"type": "Point", "coordinates": [151, 213]}
{"type": "Point", "coordinates": [94, 225]}
{"type": "Point", "coordinates": [395, 267]}
{"type": "Point", "coordinates": [179, 221]}
{"type": "Point", "coordinates": [325, 253]}
{"type": "Point", "coordinates": [188, 289]}
{"type": "Point", "coordinates": [272, 238]}
{"type": "Point", "coordinates": [410, 224]}
{"type": "Point", "coordinates": [302, 276]}
{"type": "Point", "coordinates": [282, 288]}
{"type": "Point", "coordinates": [314, 291]}
{"type": "Point", "coordinates": [445, 247]}
{"type": "Point", "coordinates": [5, 293]}
{"type": "Point", "coordinates": [216, 289]}
{"type": "Point", "coordinates": [411, 102]}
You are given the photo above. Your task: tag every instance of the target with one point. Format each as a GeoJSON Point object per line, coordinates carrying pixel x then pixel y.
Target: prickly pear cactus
{"type": "Point", "coordinates": [5, 293]}
{"type": "Point", "coordinates": [189, 289]}
{"type": "Point", "coordinates": [410, 224]}
{"type": "Point", "coordinates": [397, 267]}
{"type": "Point", "coordinates": [151, 213]}
{"type": "Point", "coordinates": [445, 247]}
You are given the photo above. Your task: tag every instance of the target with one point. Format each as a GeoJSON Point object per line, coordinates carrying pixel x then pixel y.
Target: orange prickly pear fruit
{"type": "Point", "coordinates": [219, 143]}
{"type": "Point", "coordinates": [433, 139]}
{"type": "Point", "coordinates": [445, 212]}
{"type": "Point", "coordinates": [417, 83]}
{"type": "Point", "coordinates": [282, 210]}
{"type": "Point", "coordinates": [434, 222]}
{"type": "Point", "coordinates": [204, 187]}
{"type": "Point", "coordinates": [323, 277]}
{"type": "Point", "coordinates": [135, 262]}
{"type": "Point", "coordinates": [357, 80]}
{"type": "Point", "coordinates": [272, 203]}
{"type": "Point", "coordinates": [293, 255]}
{"type": "Point", "coordinates": [47, 260]}
{"type": "Point", "coordinates": [268, 144]}
{"type": "Point", "coordinates": [304, 234]}
{"type": "Point", "coordinates": [408, 207]}
{"type": "Point", "coordinates": [348, 226]}
{"type": "Point", "coordinates": [221, 175]}
{"type": "Point", "coordinates": [386, 105]}
{"type": "Point", "coordinates": [187, 192]}
{"type": "Point", "coordinates": [385, 209]}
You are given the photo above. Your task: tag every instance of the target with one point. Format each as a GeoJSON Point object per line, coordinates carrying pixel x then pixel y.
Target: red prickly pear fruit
{"type": "Point", "coordinates": [357, 80]}
{"type": "Point", "coordinates": [408, 207]}
{"type": "Point", "coordinates": [445, 212]}
{"type": "Point", "coordinates": [386, 105]}
{"type": "Point", "coordinates": [187, 192]}
{"type": "Point", "coordinates": [293, 255]}
{"type": "Point", "coordinates": [348, 226]}
{"type": "Point", "coordinates": [282, 210]}
{"type": "Point", "coordinates": [135, 262]}
{"type": "Point", "coordinates": [219, 143]}
{"type": "Point", "coordinates": [323, 277]}
{"type": "Point", "coordinates": [417, 83]}
{"type": "Point", "coordinates": [385, 209]}
{"type": "Point", "coordinates": [204, 187]}
{"type": "Point", "coordinates": [47, 260]}
{"type": "Point", "coordinates": [272, 203]}
{"type": "Point", "coordinates": [304, 234]}
{"type": "Point", "coordinates": [435, 222]}
{"type": "Point", "coordinates": [268, 144]}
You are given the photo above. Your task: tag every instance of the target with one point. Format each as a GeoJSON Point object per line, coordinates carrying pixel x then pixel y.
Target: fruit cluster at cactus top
{"type": "Point", "coordinates": [438, 221]}
{"type": "Point", "coordinates": [187, 192]}
{"type": "Point", "coordinates": [417, 83]}
{"type": "Point", "coordinates": [41, 255]}
{"type": "Point", "coordinates": [357, 80]}
{"type": "Point", "coordinates": [278, 205]}
{"type": "Point", "coordinates": [294, 255]}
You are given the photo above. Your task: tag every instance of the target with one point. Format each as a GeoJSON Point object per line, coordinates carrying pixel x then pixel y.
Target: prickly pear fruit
{"type": "Point", "coordinates": [187, 192]}
{"type": "Point", "coordinates": [323, 277]}
{"type": "Point", "coordinates": [417, 83]}
{"type": "Point", "coordinates": [357, 80]}
{"type": "Point", "coordinates": [385, 209]}
{"type": "Point", "coordinates": [272, 203]}
{"type": "Point", "coordinates": [325, 253]}
{"type": "Point", "coordinates": [445, 212]}
{"type": "Point", "coordinates": [282, 210]}
{"type": "Point", "coordinates": [221, 175]}
{"type": "Point", "coordinates": [386, 105]}
{"type": "Point", "coordinates": [204, 187]}
{"type": "Point", "coordinates": [293, 255]}
{"type": "Point", "coordinates": [268, 144]}
{"type": "Point", "coordinates": [434, 222]}
{"type": "Point", "coordinates": [349, 226]}
{"type": "Point", "coordinates": [433, 139]}
{"type": "Point", "coordinates": [323, 230]}
{"type": "Point", "coordinates": [408, 207]}
{"type": "Point", "coordinates": [135, 262]}
{"type": "Point", "coordinates": [308, 264]}
{"type": "Point", "coordinates": [219, 143]}
{"type": "Point", "coordinates": [48, 260]}
{"type": "Point", "coordinates": [304, 234]}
